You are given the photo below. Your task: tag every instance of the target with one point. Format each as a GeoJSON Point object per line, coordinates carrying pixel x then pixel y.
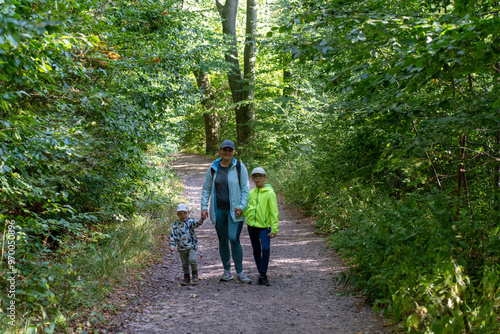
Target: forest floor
{"type": "Point", "coordinates": [302, 297]}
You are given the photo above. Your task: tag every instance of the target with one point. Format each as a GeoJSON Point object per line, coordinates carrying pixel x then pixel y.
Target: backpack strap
{"type": "Point", "coordinates": [238, 169]}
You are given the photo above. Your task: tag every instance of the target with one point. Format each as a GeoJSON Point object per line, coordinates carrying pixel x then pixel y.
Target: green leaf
{"type": "Point", "coordinates": [12, 40]}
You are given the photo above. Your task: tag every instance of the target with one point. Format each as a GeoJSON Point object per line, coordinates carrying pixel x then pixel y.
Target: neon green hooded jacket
{"type": "Point", "coordinates": [262, 210]}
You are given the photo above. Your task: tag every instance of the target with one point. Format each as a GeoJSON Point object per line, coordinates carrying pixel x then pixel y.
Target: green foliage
{"type": "Point", "coordinates": [91, 96]}
{"type": "Point", "coordinates": [380, 117]}
{"type": "Point", "coordinates": [52, 285]}
{"type": "Point", "coordinates": [397, 151]}
{"type": "Point", "coordinates": [413, 262]}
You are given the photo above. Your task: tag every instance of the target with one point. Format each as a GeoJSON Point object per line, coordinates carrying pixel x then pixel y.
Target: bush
{"type": "Point", "coordinates": [58, 278]}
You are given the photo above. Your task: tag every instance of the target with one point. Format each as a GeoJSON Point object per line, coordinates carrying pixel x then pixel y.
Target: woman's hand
{"type": "Point", "coordinates": [237, 212]}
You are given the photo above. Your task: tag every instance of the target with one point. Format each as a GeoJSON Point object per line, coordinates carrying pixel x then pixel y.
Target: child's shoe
{"type": "Point", "coordinates": [263, 281]}
{"type": "Point", "coordinates": [195, 277]}
{"type": "Point", "coordinates": [186, 280]}
{"type": "Point", "coordinates": [227, 276]}
{"type": "Point", "coordinates": [242, 278]}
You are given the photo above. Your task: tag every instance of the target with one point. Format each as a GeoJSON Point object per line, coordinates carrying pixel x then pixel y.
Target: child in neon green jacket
{"type": "Point", "coordinates": [262, 218]}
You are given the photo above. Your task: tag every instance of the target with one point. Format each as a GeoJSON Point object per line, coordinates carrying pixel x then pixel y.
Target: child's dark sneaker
{"type": "Point", "coordinates": [263, 281]}
{"type": "Point", "coordinates": [186, 280]}
{"type": "Point", "coordinates": [195, 277]}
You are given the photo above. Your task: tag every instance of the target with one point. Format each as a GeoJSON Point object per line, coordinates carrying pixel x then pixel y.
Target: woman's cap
{"type": "Point", "coordinates": [182, 207]}
{"type": "Point", "coordinates": [228, 143]}
{"type": "Point", "coordinates": [258, 170]}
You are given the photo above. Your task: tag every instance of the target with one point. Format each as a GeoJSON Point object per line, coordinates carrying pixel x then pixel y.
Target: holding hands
{"type": "Point", "coordinates": [237, 212]}
{"type": "Point", "coordinates": [204, 215]}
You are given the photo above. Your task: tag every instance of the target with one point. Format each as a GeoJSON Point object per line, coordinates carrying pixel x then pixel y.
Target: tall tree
{"type": "Point", "coordinates": [210, 116]}
{"type": "Point", "coordinates": [242, 90]}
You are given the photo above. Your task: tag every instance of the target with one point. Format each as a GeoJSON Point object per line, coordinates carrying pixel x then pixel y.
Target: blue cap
{"type": "Point", "coordinates": [227, 143]}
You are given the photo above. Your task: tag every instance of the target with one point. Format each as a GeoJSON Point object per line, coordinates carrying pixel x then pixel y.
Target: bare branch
{"type": "Point", "coordinates": [428, 158]}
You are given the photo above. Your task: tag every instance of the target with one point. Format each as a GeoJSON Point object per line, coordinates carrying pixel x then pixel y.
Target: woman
{"type": "Point", "coordinates": [226, 185]}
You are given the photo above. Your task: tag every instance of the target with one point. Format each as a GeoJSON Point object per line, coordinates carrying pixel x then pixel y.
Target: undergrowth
{"type": "Point", "coordinates": [415, 259]}
{"type": "Point", "coordinates": [60, 286]}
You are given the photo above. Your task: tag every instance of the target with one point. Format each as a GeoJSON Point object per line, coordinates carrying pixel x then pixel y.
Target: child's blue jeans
{"type": "Point", "coordinates": [261, 244]}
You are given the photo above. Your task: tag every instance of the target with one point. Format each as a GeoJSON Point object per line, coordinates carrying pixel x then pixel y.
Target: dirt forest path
{"type": "Point", "coordinates": [301, 299]}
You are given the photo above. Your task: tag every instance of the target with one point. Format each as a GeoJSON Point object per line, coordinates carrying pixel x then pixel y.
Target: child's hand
{"type": "Point", "coordinates": [271, 235]}
{"type": "Point", "coordinates": [172, 249]}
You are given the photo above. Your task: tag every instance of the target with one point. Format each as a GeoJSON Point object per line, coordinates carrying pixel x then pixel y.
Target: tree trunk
{"type": "Point", "coordinates": [246, 115]}
{"type": "Point", "coordinates": [209, 117]}
{"type": "Point", "coordinates": [242, 91]}
{"type": "Point", "coordinates": [462, 184]}
{"type": "Point", "coordinates": [228, 13]}
{"type": "Point", "coordinates": [249, 53]}
{"type": "Point", "coordinates": [496, 173]}
{"type": "Point", "coordinates": [287, 83]}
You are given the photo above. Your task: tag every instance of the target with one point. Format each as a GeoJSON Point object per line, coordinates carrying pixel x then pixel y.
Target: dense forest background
{"type": "Point", "coordinates": [381, 118]}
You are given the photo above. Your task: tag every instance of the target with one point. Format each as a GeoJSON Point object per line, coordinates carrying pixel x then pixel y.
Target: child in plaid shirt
{"type": "Point", "coordinates": [184, 237]}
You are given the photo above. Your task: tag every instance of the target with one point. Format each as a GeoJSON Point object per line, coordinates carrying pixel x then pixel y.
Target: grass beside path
{"type": "Point", "coordinates": [78, 285]}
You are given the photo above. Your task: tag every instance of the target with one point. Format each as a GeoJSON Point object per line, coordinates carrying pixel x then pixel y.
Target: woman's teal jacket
{"type": "Point", "coordinates": [238, 190]}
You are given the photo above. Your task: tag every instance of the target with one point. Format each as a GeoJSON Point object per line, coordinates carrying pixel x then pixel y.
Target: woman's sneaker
{"type": "Point", "coordinates": [227, 276]}
{"type": "Point", "coordinates": [242, 278]}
